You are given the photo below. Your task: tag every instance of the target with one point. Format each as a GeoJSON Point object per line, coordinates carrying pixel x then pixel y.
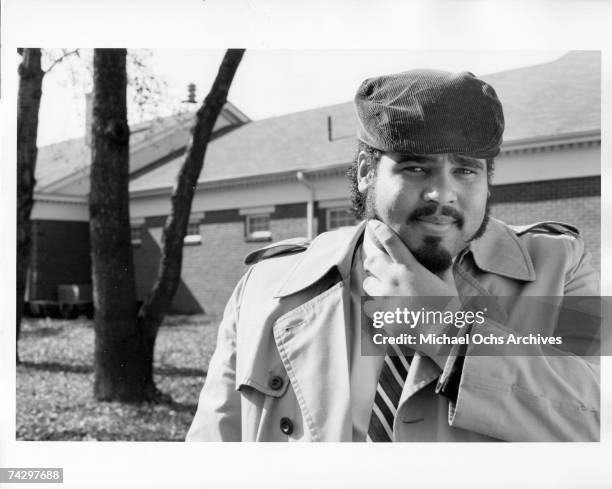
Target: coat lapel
{"type": "Point", "coordinates": [312, 342]}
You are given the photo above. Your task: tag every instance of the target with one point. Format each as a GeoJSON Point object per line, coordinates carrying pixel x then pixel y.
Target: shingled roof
{"type": "Point", "coordinates": [71, 158]}
{"type": "Point", "coordinates": [560, 97]}
{"type": "Point", "coordinates": [540, 102]}
{"type": "Point", "coordinates": [59, 160]}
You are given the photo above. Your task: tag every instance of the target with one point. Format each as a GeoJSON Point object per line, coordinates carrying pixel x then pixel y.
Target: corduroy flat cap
{"type": "Point", "coordinates": [430, 112]}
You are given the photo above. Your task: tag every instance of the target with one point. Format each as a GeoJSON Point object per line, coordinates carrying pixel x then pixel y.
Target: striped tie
{"type": "Point", "coordinates": [388, 392]}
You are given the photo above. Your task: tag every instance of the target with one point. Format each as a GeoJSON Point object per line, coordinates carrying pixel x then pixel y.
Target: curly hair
{"type": "Point", "coordinates": [373, 155]}
{"type": "Point", "coordinates": [358, 199]}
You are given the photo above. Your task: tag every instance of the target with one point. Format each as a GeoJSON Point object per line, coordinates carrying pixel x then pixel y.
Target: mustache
{"type": "Point", "coordinates": [431, 209]}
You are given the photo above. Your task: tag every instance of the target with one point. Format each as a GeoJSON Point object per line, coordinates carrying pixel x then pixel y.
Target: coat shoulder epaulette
{"type": "Point", "coordinates": [547, 227]}
{"type": "Point", "coordinates": [286, 247]}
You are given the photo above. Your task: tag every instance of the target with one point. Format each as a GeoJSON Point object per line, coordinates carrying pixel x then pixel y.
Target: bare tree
{"type": "Point", "coordinates": [28, 105]}
{"type": "Point", "coordinates": [31, 77]}
{"type": "Point", "coordinates": [125, 342]}
{"type": "Point", "coordinates": [119, 365]}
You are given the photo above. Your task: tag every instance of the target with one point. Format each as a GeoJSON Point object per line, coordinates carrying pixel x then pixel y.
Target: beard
{"type": "Point", "coordinates": [430, 253]}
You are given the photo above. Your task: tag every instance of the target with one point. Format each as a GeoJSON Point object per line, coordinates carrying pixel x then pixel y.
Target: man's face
{"type": "Point", "coordinates": [436, 204]}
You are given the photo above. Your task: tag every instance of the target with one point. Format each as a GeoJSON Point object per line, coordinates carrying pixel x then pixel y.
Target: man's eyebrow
{"type": "Point", "coordinates": [470, 162]}
{"type": "Point", "coordinates": [411, 157]}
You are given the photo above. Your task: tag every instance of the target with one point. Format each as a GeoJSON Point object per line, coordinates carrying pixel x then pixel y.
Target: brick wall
{"type": "Point", "coordinates": [212, 269]}
{"type": "Point", "coordinates": [60, 255]}
{"type": "Point", "coordinates": [573, 201]}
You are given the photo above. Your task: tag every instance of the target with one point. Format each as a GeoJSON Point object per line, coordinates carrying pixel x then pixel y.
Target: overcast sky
{"type": "Point", "coordinates": [268, 82]}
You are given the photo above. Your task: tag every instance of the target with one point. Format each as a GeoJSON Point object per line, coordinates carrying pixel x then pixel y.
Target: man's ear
{"type": "Point", "coordinates": [365, 172]}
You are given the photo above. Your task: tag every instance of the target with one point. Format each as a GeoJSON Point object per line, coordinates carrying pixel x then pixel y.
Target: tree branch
{"type": "Point", "coordinates": [169, 271]}
{"type": "Point", "coordinates": [62, 58]}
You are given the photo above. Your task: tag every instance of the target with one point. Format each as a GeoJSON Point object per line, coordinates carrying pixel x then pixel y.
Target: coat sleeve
{"type": "Point", "coordinates": [218, 417]}
{"type": "Point", "coordinates": [533, 398]}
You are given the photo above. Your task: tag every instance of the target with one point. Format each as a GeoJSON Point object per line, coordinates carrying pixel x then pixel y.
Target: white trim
{"type": "Point", "coordinates": [334, 203]}
{"type": "Point", "coordinates": [137, 221]}
{"type": "Point", "coordinates": [553, 141]}
{"type": "Point", "coordinates": [192, 239]}
{"type": "Point", "coordinates": [61, 198]}
{"type": "Point", "coordinates": [235, 112]}
{"type": "Point", "coordinates": [60, 208]}
{"type": "Point", "coordinates": [196, 217]}
{"type": "Point", "coordinates": [60, 183]}
{"type": "Point", "coordinates": [249, 211]}
{"type": "Point", "coordinates": [250, 179]}
{"type": "Point", "coordinates": [260, 235]}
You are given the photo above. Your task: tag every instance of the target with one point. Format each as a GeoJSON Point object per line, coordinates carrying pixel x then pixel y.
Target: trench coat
{"type": "Point", "coordinates": [280, 371]}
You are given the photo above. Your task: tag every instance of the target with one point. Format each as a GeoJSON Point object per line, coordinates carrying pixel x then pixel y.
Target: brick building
{"type": "Point", "coordinates": [283, 177]}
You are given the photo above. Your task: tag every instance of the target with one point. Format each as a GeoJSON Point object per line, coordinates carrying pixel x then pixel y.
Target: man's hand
{"type": "Point", "coordinates": [396, 272]}
{"type": "Point", "coordinates": [393, 271]}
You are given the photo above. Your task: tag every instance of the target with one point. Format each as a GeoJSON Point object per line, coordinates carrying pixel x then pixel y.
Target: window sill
{"type": "Point", "coordinates": [258, 240]}
{"type": "Point", "coordinates": [192, 240]}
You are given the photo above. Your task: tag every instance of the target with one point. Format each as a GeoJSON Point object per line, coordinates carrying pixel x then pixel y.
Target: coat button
{"type": "Point", "coordinates": [286, 426]}
{"type": "Point", "coordinates": [275, 383]}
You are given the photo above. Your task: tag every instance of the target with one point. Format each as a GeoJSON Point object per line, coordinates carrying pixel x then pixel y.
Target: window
{"type": "Point", "coordinates": [193, 233]}
{"type": "Point", "coordinates": [337, 218]}
{"type": "Point", "coordinates": [258, 227]}
{"type": "Point", "coordinates": [257, 222]}
{"type": "Point", "coordinates": [136, 232]}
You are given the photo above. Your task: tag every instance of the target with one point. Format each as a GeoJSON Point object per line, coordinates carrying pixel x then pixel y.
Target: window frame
{"type": "Point", "coordinates": [330, 210]}
{"type": "Point", "coordinates": [257, 235]}
{"type": "Point", "coordinates": [191, 239]}
{"type": "Point", "coordinates": [136, 231]}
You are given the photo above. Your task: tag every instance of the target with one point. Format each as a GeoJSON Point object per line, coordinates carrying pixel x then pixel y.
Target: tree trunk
{"type": "Point", "coordinates": [169, 272]}
{"type": "Point", "coordinates": [122, 364]}
{"type": "Point", "coordinates": [28, 104]}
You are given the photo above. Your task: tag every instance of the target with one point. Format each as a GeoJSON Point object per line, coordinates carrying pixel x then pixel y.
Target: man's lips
{"type": "Point", "coordinates": [436, 225]}
{"type": "Point", "coordinates": [438, 220]}
{"type": "Point", "coordinates": [435, 219]}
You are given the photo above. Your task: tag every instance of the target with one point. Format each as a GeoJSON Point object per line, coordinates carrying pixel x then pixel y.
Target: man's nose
{"type": "Point", "coordinates": [440, 189]}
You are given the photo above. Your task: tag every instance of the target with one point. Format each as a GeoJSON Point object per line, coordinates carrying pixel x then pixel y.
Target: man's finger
{"type": "Point", "coordinates": [378, 265]}
{"type": "Point", "coordinates": [386, 240]}
{"type": "Point", "coordinates": [371, 286]}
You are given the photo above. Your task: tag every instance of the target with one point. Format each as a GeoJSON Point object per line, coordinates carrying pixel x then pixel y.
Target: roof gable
{"type": "Point", "coordinates": [61, 167]}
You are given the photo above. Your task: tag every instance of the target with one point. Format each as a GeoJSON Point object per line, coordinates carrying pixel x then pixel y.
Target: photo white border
{"type": "Point", "coordinates": [355, 24]}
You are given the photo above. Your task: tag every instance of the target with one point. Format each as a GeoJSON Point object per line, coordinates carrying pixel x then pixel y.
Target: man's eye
{"type": "Point", "coordinates": [414, 170]}
{"type": "Point", "coordinates": [465, 171]}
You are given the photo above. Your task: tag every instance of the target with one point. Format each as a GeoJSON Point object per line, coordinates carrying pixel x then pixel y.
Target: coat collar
{"type": "Point", "coordinates": [498, 251]}
{"type": "Point", "coordinates": [501, 251]}
{"type": "Point", "coordinates": [328, 250]}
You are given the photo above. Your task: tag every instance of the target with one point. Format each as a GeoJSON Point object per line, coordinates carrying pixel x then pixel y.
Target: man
{"type": "Point", "coordinates": [288, 363]}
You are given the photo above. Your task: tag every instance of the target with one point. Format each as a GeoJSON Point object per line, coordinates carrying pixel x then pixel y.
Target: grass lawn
{"type": "Point", "coordinates": [55, 382]}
